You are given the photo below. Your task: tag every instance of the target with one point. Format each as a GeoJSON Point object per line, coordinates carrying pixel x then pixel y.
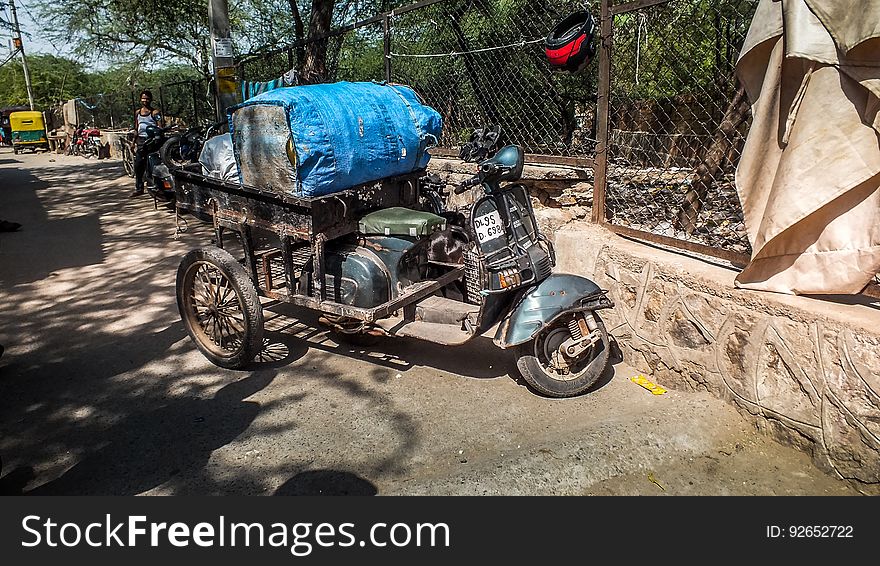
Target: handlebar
{"type": "Point", "coordinates": [486, 169]}
{"type": "Point", "coordinates": [465, 185]}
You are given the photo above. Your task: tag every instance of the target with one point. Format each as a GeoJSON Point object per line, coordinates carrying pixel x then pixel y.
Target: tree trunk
{"type": "Point", "coordinates": [708, 170]}
{"type": "Point", "coordinates": [315, 62]}
{"type": "Point", "coordinates": [299, 34]}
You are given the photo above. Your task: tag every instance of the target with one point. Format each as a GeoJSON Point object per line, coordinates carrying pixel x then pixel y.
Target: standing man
{"type": "Point", "coordinates": [145, 116]}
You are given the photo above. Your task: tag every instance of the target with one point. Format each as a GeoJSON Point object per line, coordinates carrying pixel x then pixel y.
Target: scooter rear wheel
{"type": "Point", "coordinates": [547, 372]}
{"type": "Point", "coordinates": [220, 308]}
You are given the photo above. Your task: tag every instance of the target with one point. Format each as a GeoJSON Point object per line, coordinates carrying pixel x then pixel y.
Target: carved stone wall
{"type": "Point", "coordinates": [806, 370]}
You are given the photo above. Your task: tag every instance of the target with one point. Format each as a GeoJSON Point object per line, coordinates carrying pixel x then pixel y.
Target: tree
{"type": "Point", "coordinates": [53, 79]}
{"type": "Point", "coordinates": [143, 32]}
{"type": "Point", "coordinates": [314, 67]}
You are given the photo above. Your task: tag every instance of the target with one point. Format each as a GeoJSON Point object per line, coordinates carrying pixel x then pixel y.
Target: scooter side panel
{"type": "Point", "coordinates": [355, 278]}
{"type": "Point", "coordinates": [555, 295]}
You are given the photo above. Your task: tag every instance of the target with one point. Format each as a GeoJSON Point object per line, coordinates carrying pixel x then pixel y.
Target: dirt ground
{"type": "Point", "coordinates": [102, 392]}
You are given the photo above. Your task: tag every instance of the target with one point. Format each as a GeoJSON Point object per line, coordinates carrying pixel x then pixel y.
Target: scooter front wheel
{"type": "Point", "coordinates": [220, 307]}
{"type": "Point", "coordinates": [545, 366]}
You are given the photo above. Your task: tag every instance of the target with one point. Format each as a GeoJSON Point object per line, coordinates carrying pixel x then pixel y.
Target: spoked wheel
{"type": "Point", "coordinates": [219, 307]}
{"type": "Point", "coordinates": [127, 160]}
{"type": "Point", "coordinates": [545, 362]}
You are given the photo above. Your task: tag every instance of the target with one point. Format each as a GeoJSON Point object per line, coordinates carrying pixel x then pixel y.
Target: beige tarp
{"type": "Point", "coordinates": [809, 177]}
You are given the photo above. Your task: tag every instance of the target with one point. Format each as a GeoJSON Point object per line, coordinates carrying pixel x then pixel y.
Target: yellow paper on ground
{"type": "Point", "coordinates": [652, 387]}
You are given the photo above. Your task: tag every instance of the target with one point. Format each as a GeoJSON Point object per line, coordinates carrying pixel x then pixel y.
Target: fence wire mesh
{"type": "Point", "coordinates": [185, 103]}
{"type": "Point", "coordinates": [112, 110]}
{"type": "Point", "coordinates": [677, 121]}
{"type": "Point", "coordinates": [480, 62]}
{"type": "Point", "coordinates": [259, 67]}
{"type": "Point", "coordinates": [353, 55]}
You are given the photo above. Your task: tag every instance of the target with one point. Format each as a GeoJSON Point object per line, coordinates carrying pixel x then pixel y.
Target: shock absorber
{"type": "Point", "coordinates": [575, 329]}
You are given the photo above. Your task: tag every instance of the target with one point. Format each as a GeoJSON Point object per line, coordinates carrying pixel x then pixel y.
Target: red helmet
{"type": "Point", "coordinates": [569, 46]}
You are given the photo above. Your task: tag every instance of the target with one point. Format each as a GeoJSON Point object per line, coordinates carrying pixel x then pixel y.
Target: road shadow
{"type": "Point", "coordinates": [72, 241]}
{"type": "Point", "coordinates": [148, 448]}
{"type": "Point", "coordinates": [478, 358]}
{"type": "Point", "coordinates": [326, 482]}
{"type": "Point", "coordinates": [122, 434]}
{"type": "Point", "coordinates": [51, 242]}
{"type": "Point", "coordinates": [15, 481]}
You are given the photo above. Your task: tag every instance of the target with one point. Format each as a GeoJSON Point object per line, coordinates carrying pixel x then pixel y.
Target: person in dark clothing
{"type": "Point", "coordinates": [145, 116]}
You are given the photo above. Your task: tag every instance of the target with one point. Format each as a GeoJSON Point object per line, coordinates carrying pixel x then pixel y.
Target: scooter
{"type": "Point", "coordinates": [395, 271]}
{"type": "Point", "coordinates": [158, 180]}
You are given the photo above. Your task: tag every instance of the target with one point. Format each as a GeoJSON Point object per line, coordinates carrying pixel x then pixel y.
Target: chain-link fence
{"type": "Point", "coordinates": [482, 62]}
{"type": "Point", "coordinates": [113, 110]}
{"type": "Point", "coordinates": [355, 53]}
{"type": "Point", "coordinates": [677, 122]}
{"type": "Point", "coordinates": [185, 102]}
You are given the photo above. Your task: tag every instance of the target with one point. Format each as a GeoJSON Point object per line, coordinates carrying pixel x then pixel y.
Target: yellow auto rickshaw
{"type": "Point", "coordinates": [28, 130]}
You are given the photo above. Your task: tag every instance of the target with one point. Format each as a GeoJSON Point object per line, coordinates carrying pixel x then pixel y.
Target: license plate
{"type": "Point", "coordinates": [488, 226]}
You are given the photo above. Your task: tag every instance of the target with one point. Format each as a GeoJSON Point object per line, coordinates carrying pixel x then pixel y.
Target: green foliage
{"type": "Point", "coordinates": [146, 31]}
{"type": "Point", "coordinates": [52, 79]}
{"type": "Point", "coordinates": [683, 47]}
{"type": "Point", "coordinates": [361, 56]}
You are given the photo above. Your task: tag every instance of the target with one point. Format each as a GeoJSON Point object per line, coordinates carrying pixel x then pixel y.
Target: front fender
{"type": "Point", "coordinates": [558, 294]}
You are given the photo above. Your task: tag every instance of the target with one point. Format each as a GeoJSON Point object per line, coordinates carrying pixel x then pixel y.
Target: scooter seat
{"type": "Point", "coordinates": [399, 221]}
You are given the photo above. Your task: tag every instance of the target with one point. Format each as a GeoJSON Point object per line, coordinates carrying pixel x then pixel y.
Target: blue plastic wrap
{"type": "Point", "coordinates": [314, 140]}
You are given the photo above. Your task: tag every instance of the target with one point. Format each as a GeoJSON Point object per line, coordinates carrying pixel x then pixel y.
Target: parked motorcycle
{"type": "Point", "coordinates": [400, 274]}
{"type": "Point", "coordinates": [86, 141]}
{"type": "Point", "coordinates": [158, 180]}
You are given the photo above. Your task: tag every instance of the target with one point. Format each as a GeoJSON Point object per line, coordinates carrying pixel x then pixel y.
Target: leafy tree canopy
{"type": "Point", "coordinates": [52, 79]}
{"type": "Point", "coordinates": [152, 33]}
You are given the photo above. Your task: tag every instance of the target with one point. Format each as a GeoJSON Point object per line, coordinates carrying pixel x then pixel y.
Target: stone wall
{"type": "Point", "coordinates": [806, 371]}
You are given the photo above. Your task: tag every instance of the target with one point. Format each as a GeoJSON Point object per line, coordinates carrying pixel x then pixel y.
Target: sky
{"type": "Point", "coordinates": [34, 41]}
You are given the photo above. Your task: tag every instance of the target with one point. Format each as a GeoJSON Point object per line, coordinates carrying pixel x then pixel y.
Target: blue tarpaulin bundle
{"type": "Point", "coordinates": [314, 140]}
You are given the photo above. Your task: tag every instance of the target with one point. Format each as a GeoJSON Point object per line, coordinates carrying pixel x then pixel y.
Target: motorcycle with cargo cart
{"type": "Point", "coordinates": [361, 258]}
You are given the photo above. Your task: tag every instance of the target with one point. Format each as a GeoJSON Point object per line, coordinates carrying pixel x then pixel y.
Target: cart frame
{"type": "Point", "coordinates": [303, 226]}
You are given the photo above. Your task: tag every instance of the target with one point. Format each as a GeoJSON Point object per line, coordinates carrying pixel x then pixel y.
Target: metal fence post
{"type": "Point", "coordinates": [195, 115]}
{"type": "Point", "coordinates": [387, 46]}
{"type": "Point", "coordinates": [600, 171]}
{"type": "Point", "coordinates": [162, 103]}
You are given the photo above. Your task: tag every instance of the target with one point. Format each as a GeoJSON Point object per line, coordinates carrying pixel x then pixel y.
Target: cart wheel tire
{"type": "Point", "coordinates": [535, 365]}
{"type": "Point", "coordinates": [220, 308]}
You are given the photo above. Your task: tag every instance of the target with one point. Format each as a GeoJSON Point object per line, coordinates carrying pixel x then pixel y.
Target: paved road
{"type": "Point", "coordinates": [101, 391]}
